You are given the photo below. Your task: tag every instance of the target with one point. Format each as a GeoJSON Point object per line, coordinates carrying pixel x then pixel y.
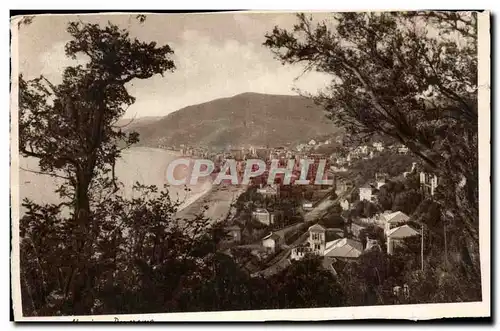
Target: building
{"type": "Point", "coordinates": [341, 160]}
{"type": "Point", "coordinates": [365, 193]}
{"type": "Point", "coordinates": [391, 220]}
{"type": "Point", "coordinates": [345, 204]}
{"type": "Point", "coordinates": [403, 149]}
{"type": "Point", "coordinates": [396, 235]}
{"type": "Point", "coordinates": [337, 169]}
{"type": "Point", "coordinates": [344, 249]}
{"type": "Point", "coordinates": [380, 183]}
{"type": "Point", "coordinates": [379, 147]}
{"type": "Point", "coordinates": [428, 183]}
{"type": "Point", "coordinates": [263, 216]}
{"type": "Point", "coordinates": [361, 150]}
{"type": "Point", "coordinates": [300, 251]}
{"type": "Point", "coordinates": [317, 238]}
{"type": "Point", "coordinates": [269, 191]}
{"type": "Point", "coordinates": [307, 205]}
{"type": "Point", "coordinates": [271, 242]}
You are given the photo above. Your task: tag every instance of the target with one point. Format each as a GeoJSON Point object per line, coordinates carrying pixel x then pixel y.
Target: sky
{"type": "Point", "coordinates": [216, 55]}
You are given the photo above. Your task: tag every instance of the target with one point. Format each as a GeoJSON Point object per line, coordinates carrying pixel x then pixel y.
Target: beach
{"type": "Point", "coordinates": [217, 201]}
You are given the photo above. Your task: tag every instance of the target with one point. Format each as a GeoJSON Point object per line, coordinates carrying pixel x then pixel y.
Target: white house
{"type": "Point", "coordinates": [300, 251]}
{"type": "Point", "coordinates": [428, 183]}
{"type": "Point", "coordinates": [344, 248]}
{"type": "Point", "coordinates": [365, 193]}
{"type": "Point", "coordinates": [345, 204]}
{"type": "Point", "coordinates": [307, 205]}
{"type": "Point", "coordinates": [272, 190]}
{"type": "Point", "coordinates": [270, 242]}
{"type": "Point", "coordinates": [378, 146]}
{"type": "Point", "coordinates": [403, 149]}
{"type": "Point", "coordinates": [337, 169]}
{"type": "Point", "coordinates": [361, 150]}
{"type": "Point", "coordinates": [394, 219]}
{"type": "Point", "coordinates": [317, 238]}
{"type": "Point", "coordinates": [312, 142]}
{"type": "Point", "coordinates": [380, 183]}
{"type": "Point", "coordinates": [340, 160]}
{"type": "Point", "coordinates": [263, 216]}
{"type": "Point", "coordinates": [396, 235]}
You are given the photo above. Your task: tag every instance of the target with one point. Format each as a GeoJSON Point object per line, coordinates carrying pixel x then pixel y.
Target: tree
{"type": "Point", "coordinates": [369, 280]}
{"type": "Point", "coordinates": [69, 127]}
{"type": "Point", "coordinates": [363, 208]}
{"type": "Point", "coordinates": [305, 284]}
{"type": "Point", "coordinates": [407, 201]}
{"type": "Point", "coordinates": [332, 221]}
{"type": "Point", "coordinates": [410, 76]}
{"type": "Point", "coordinates": [336, 209]}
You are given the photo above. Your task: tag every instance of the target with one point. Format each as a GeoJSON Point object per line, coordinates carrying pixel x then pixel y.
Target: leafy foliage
{"type": "Point", "coordinates": [100, 253]}
{"type": "Point", "coordinates": [411, 76]}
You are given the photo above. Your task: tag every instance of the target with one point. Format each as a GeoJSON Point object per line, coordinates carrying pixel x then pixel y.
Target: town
{"type": "Point", "coordinates": [273, 224]}
{"type": "Point", "coordinates": [186, 162]}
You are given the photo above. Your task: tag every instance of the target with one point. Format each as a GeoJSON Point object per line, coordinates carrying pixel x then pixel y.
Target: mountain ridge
{"type": "Point", "coordinates": [244, 119]}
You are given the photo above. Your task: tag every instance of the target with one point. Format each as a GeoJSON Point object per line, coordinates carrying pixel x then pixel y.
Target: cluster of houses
{"type": "Point", "coordinates": [394, 224]}
{"type": "Point", "coordinates": [313, 144]}
{"type": "Point", "coordinates": [332, 245]}
{"type": "Point", "coordinates": [342, 160]}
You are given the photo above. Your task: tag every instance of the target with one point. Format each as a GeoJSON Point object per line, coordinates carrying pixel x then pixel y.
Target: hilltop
{"type": "Point", "coordinates": [244, 119]}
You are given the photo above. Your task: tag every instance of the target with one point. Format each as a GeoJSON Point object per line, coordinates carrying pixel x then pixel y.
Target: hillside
{"type": "Point", "coordinates": [245, 119]}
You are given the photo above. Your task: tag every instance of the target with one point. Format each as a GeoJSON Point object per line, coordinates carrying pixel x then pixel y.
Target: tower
{"type": "Point", "coordinates": [317, 239]}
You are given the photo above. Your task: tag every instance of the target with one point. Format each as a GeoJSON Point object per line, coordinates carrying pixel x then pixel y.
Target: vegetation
{"type": "Point", "coordinates": [99, 253]}
{"type": "Point", "coordinates": [385, 162]}
{"type": "Point", "coordinates": [393, 78]}
{"type": "Point", "coordinates": [403, 195]}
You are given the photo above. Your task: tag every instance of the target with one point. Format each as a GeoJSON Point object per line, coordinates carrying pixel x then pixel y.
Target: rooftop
{"type": "Point", "coordinates": [345, 248]}
{"type": "Point", "coordinates": [272, 236]}
{"type": "Point", "coordinates": [402, 232]}
{"type": "Point", "coordinates": [317, 228]}
{"type": "Point", "coordinates": [396, 217]}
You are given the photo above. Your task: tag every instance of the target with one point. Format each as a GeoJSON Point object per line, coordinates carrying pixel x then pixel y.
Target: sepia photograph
{"type": "Point", "coordinates": [250, 165]}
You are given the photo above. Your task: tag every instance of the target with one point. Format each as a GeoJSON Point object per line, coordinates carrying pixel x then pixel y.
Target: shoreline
{"type": "Point", "coordinates": [218, 201]}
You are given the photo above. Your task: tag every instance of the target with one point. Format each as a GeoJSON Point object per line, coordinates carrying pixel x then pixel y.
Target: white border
{"type": "Point", "coordinates": [421, 311]}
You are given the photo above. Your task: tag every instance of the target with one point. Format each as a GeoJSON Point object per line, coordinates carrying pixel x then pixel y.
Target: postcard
{"type": "Point", "coordinates": [250, 166]}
